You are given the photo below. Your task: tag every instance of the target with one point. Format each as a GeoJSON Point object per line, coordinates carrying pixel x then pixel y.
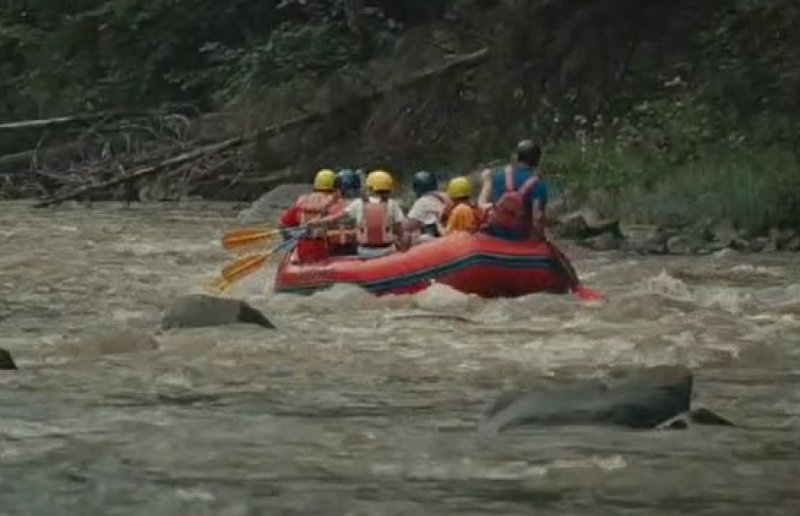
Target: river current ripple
{"type": "Point", "coordinates": [356, 405]}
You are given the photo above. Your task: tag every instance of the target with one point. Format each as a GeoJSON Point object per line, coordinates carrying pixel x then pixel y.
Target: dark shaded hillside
{"type": "Point", "coordinates": [625, 93]}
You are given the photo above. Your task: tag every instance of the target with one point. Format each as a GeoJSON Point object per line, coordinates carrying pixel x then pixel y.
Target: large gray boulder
{"type": "Point", "coordinates": [6, 361]}
{"type": "Point", "coordinates": [638, 398]}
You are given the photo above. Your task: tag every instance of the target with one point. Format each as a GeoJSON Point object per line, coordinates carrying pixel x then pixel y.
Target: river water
{"type": "Point", "coordinates": [365, 406]}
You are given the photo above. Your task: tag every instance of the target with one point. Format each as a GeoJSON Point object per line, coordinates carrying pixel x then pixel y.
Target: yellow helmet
{"type": "Point", "coordinates": [325, 180]}
{"type": "Point", "coordinates": [380, 181]}
{"type": "Point", "coordinates": [459, 188]}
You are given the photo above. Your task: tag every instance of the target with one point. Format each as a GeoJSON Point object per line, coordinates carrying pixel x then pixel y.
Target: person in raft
{"type": "Point", "coordinates": [342, 239]}
{"type": "Point", "coordinates": [462, 214]}
{"type": "Point", "coordinates": [323, 201]}
{"type": "Point", "coordinates": [424, 218]}
{"type": "Point", "coordinates": [378, 217]}
{"type": "Point", "coordinates": [516, 196]}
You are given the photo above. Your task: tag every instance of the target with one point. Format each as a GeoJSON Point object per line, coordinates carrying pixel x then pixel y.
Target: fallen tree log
{"type": "Point", "coordinates": [144, 171]}
{"type": "Point", "coordinates": [63, 121]}
{"type": "Point", "coordinates": [49, 122]}
{"type": "Point", "coordinates": [180, 159]}
{"type": "Point", "coordinates": [24, 158]}
{"type": "Point", "coordinates": [88, 118]}
{"type": "Point", "coordinates": [471, 59]}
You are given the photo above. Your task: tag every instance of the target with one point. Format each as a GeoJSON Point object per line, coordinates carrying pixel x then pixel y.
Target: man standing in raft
{"type": "Point", "coordinates": [378, 217]}
{"type": "Point", "coordinates": [516, 198]}
{"type": "Point", "coordinates": [517, 195]}
{"type": "Point", "coordinates": [323, 201]}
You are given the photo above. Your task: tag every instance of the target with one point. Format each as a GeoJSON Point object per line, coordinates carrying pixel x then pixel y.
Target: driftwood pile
{"type": "Point", "coordinates": [157, 156]}
{"type": "Point", "coordinates": [123, 156]}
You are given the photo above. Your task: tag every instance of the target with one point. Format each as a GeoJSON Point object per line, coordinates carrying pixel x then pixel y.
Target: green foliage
{"type": "Point", "coordinates": [693, 99]}
{"type": "Point", "coordinates": [291, 51]}
{"type": "Point", "coordinates": [59, 57]}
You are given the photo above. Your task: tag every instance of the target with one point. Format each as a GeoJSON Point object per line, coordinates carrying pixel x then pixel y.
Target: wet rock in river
{"type": "Point", "coordinates": [785, 239]}
{"type": "Point", "coordinates": [604, 242]}
{"type": "Point", "coordinates": [638, 398]}
{"type": "Point", "coordinates": [200, 310]}
{"type": "Point", "coordinates": [793, 245]}
{"type": "Point", "coordinates": [725, 253]}
{"type": "Point", "coordinates": [648, 240]}
{"type": "Point", "coordinates": [723, 234]}
{"type": "Point", "coordinates": [771, 241]}
{"type": "Point", "coordinates": [684, 244]}
{"type": "Point", "coordinates": [6, 361]}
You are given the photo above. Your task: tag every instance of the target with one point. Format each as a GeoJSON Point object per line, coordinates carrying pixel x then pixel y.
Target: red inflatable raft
{"type": "Point", "coordinates": [472, 263]}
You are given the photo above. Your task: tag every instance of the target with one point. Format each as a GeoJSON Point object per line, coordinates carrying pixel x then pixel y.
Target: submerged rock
{"type": "Point", "coordinates": [6, 361]}
{"type": "Point", "coordinates": [783, 240]}
{"type": "Point", "coordinates": [639, 398]}
{"type": "Point", "coordinates": [723, 234]}
{"type": "Point", "coordinates": [200, 310]}
{"type": "Point", "coordinates": [110, 342]}
{"type": "Point", "coordinates": [684, 244]}
{"type": "Point", "coordinates": [604, 242]}
{"type": "Point", "coordinates": [652, 240]}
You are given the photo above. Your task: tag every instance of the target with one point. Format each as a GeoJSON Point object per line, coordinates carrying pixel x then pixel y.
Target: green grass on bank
{"type": "Point", "coordinates": [756, 188]}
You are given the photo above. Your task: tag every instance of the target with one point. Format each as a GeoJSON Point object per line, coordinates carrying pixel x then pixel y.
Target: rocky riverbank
{"type": "Point", "coordinates": [590, 230]}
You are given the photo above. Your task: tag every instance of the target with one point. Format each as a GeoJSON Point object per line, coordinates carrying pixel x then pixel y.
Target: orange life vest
{"type": "Point", "coordinates": [452, 205]}
{"type": "Point", "coordinates": [509, 211]}
{"type": "Point", "coordinates": [375, 229]}
{"type": "Point", "coordinates": [478, 213]}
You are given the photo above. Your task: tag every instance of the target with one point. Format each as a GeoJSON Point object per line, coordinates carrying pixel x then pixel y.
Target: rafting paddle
{"type": "Point", "coordinates": [248, 264]}
{"type": "Point", "coordinates": [243, 239]}
{"type": "Point", "coordinates": [581, 292]}
{"type": "Point", "coordinates": [239, 269]}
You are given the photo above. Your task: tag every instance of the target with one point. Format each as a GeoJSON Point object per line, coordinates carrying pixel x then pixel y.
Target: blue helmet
{"type": "Point", "coordinates": [424, 182]}
{"type": "Point", "coordinates": [348, 182]}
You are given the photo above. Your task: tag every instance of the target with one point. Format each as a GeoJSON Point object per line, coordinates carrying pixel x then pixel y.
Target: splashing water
{"type": "Point", "coordinates": [358, 405]}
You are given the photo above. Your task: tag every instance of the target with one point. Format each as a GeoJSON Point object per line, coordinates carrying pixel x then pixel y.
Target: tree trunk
{"type": "Point", "coordinates": [352, 13]}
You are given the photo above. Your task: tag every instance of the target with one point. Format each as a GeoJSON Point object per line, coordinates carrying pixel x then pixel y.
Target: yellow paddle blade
{"type": "Point", "coordinates": [244, 266]}
{"type": "Point", "coordinates": [243, 239]}
{"type": "Point", "coordinates": [220, 286]}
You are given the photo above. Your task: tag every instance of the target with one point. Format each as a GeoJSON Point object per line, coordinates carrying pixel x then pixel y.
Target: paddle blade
{"type": "Point", "coordinates": [588, 294]}
{"type": "Point", "coordinates": [221, 286]}
{"type": "Point", "coordinates": [244, 266]}
{"type": "Point", "coordinates": [244, 239]}
{"type": "Point", "coordinates": [239, 269]}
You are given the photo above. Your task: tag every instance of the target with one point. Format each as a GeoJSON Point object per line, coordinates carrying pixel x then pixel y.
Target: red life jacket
{"type": "Point", "coordinates": [375, 229]}
{"type": "Point", "coordinates": [509, 211]}
{"type": "Point", "coordinates": [341, 234]}
{"type": "Point", "coordinates": [316, 205]}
